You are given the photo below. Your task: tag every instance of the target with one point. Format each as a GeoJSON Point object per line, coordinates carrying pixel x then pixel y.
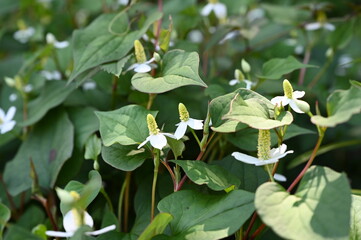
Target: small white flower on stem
{"type": "Point", "coordinates": [156, 138]}
{"type": "Point", "coordinates": [23, 35]}
{"type": "Point", "coordinates": [218, 8]}
{"type": "Point", "coordinates": [185, 122]}
{"type": "Point", "coordinates": [71, 224]}
{"type": "Point", "coordinates": [50, 39]}
{"type": "Point", "coordinates": [142, 65]}
{"type": "Point", "coordinates": [6, 120]}
{"type": "Point", "coordinates": [318, 25]}
{"type": "Point", "coordinates": [274, 155]}
{"type": "Point", "coordinates": [239, 77]}
{"type": "Point", "coordinates": [291, 97]}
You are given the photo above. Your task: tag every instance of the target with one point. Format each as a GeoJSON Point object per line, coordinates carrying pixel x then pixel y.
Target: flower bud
{"type": "Point", "coordinates": [152, 125]}
{"type": "Point", "coordinates": [10, 82]}
{"type": "Point", "coordinates": [329, 53]}
{"type": "Point", "coordinates": [264, 144]}
{"type": "Point", "coordinates": [65, 196]}
{"type": "Point", "coordinates": [287, 89]}
{"type": "Point", "coordinates": [239, 75]}
{"type": "Point", "coordinates": [304, 106]}
{"type": "Point", "coordinates": [245, 66]}
{"type": "Point", "coordinates": [156, 57]}
{"type": "Point", "coordinates": [183, 112]}
{"type": "Point", "coordinates": [139, 52]}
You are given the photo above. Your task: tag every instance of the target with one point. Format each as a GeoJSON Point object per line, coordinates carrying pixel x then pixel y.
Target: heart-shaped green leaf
{"type": "Point", "coordinates": [206, 217]}
{"type": "Point", "coordinates": [49, 145]}
{"type": "Point", "coordinates": [179, 69]}
{"type": "Point", "coordinates": [277, 67]}
{"type": "Point", "coordinates": [157, 226]}
{"type": "Point", "coordinates": [341, 105]}
{"type": "Point", "coordinates": [125, 158]}
{"type": "Point", "coordinates": [320, 209]}
{"type": "Point", "coordinates": [126, 126]}
{"type": "Point", "coordinates": [216, 177]}
{"type": "Point", "coordinates": [106, 39]}
{"type": "Point", "coordinates": [255, 110]}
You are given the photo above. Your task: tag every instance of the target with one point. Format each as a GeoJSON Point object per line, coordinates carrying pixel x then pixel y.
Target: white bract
{"type": "Point", "coordinates": [6, 120]}
{"type": "Point", "coordinates": [318, 25]}
{"type": "Point", "coordinates": [275, 155]}
{"type": "Point", "coordinates": [279, 177]}
{"type": "Point", "coordinates": [50, 39]}
{"type": "Point", "coordinates": [156, 138]}
{"type": "Point", "coordinates": [219, 9]}
{"type": "Point", "coordinates": [249, 83]}
{"type": "Point", "coordinates": [71, 225]}
{"type": "Point", "coordinates": [51, 75]}
{"type": "Point", "coordinates": [23, 35]}
{"type": "Point", "coordinates": [142, 67]}
{"type": "Point", "coordinates": [291, 97]}
{"type": "Point", "coordinates": [90, 85]}
{"type": "Point", "coordinates": [186, 121]}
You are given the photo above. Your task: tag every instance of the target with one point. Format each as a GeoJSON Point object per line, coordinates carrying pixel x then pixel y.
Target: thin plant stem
{"type": "Point", "coordinates": [154, 185]}
{"type": "Point", "coordinates": [106, 196]}
{"type": "Point", "coordinates": [45, 203]}
{"type": "Point", "coordinates": [320, 73]}
{"type": "Point", "coordinates": [120, 204]}
{"type": "Point", "coordinates": [258, 231]}
{"type": "Point", "coordinates": [151, 100]}
{"type": "Point", "coordinates": [114, 91]}
{"type": "Point", "coordinates": [196, 137]}
{"type": "Point", "coordinates": [306, 59]}
{"type": "Point", "coordinates": [171, 173]}
{"type": "Point", "coordinates": [310, 160]}
{"type": "Point", "coordinates": [128, 176]}
{"type": "Point", "coordinates": [8, 196]}
{"type": "Point", "coordinates": [251, 223]}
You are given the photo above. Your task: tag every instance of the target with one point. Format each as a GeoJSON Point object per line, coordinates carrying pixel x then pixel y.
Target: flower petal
{"type": "Point", "coordinates": [280, 100]}
{"type": "Point", "coordinates": [207, 9]}
{"type": "Point", "coordinates": [220, 10]}
{"type": "Point", "coordinates": [70, 224]}
{"type": "Point", "coordinates": [158, 141]}
{"type": "Point", "coordinates": [142, 68]}
{"type": "Point", "coordinates": [278, 156]}
{"type": "Point", "coordinates": [62, 44]}
{"type": "Point", "coordinates": [233, 82]}
{"type": "Point", "coordinates": [181, 130]}
{"type": "Point", "coordinates": [10, 114]}
{"type": "Point", "coordinates": [169, 135]}
{"type": "Point", "coordinates": [265, 162]}
{"type": "Point", "coordinates": [313, 26]}
{"type": "Point", "coordinates": [329, 26]}
{"type": "Point", "coordinates": [245, 158]}
{"type": "Point", "coordinates": [249, 84]}
{"type": "Point", "coordinates": [143, 143]}
{"type": "Point", "coordinates": [195, 123]}
{"type": "Point", "coordinates": [298, 94]}
{"type": "Point", "coordinates": [294, 107]}
{"type": "Point", "coordinates": [2, 114]}
{"type": "Point", "coordinates": [59, 234]}
{"type": "Point", "coordinates": [279, 177]}
{"type": "Point", "coordinates": [101, 231]}
{"type": "Point", "coordinates": [278, 151]}
{"type": "Point", "coordinates": [7, 126]}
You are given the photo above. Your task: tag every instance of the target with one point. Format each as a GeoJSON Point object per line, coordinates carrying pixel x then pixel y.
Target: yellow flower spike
{"type": "Point", "coordinates": [139, 52]}
{"type": "Point", "coordinates": [287, 89]}
{"type": "Point", "coordinates": [264, 144]}
{"type": "Point", "coordinates": [152, 125]}
{"type": "Point", "coordinates": [183, 112]}
{"type": "Point", "coordinates": [213, 1]}
{"type": "Point", "coordinates": [75, 195]}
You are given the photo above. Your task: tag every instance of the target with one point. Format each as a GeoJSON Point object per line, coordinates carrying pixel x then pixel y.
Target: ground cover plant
{"type": "Point", "coordinates": [216, 119]}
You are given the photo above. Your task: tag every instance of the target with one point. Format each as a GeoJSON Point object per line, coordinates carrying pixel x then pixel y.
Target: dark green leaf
{"type": "Point", "coordinates": [216, 177]}
{"type": "Point", "coordinates": [177, 147]}
{"type": "Point", "coordinates": [320, 209]}
{"type": "Point", "coordinates": [179, 69]}
{"type": "Point", "coordinates": [4, 217]}
{"type": "Point", "coordinates": [14, 233]}
{"type": "Point", "coordinates": [206, 217]}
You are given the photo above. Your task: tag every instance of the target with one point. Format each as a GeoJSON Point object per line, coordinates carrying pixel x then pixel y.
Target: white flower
{"type": "Point", "coordinates": [6, 120]}
{"type": "Point", "coordinates": [90, 85]}
{"type": "Point", "coordinates": [156, 138]}
{"type": "Point", "coordinates": [249, 83]}
{"type": "Point", "coordinates": [219, 10]}
{"type": "Point", "coordinates": [50, 39]}
{"type": "Point", "coordinates": [71, 224]}
{"type": "Point", "coordinates": [24, 35]}
{"type": "Point", "coordinates": [186, 121]}
{"type": "Point", "coordinates": [51, 75]}
{"type": "Point", "coordinates": [28, 88]}
{"type": "Point", "coordinates": [275, 155]}
{"type": "Point", "coordinates": [13, 97]}
{"type": "Point", "coordinates": [142, 67]}
{"type": "Point", "coordinates": [195, 36]}
{"type": "Point", "coordinates": [279, 177]}
{"type": "Point", "coordinates": [317, 25]}
{"type": "Point", "coordinates": [290, 98]}
{"type": "Point", "coordinates": [123, 2]}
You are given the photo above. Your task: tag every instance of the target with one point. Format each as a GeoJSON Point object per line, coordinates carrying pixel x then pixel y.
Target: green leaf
{"type": "Point", "coordinates": [220, 107]}
{"type": "Point", "coordinates": [92, 148]}
{"type": "Point", "coordinates": [16, 232]}
{"type": "Point", "coordinates": [5, 215]}
{"type": "Point", "coordinates": [355, 232]}
{"type": "Point", "coordinates": [255, 110]}
{"type": "Point", "coordinates": [177, 147]}
{"type": "Point", "coordinates": [80, 234]}
{"type": "Point", "coordinates": [125, 158]}
{"type": "Point", "coordinates": [87, 192]}
{"type": "Point", "coordinates": [342, 35]}
{"type": "Point", "coordinates": [157, 226]}
{"type": "Point", "coordinates": [95, 44]}
{"type": "Point", "coordinates": [320, 209]}
{"type": "Point", "coordinates": [323, 149]}
{"type": "Point", "coordinates": [286, 14]}
{"type": "Point", "coordinates": [40, 231]}
{"type": "Point", "coordinates": [115, 68]}
{"type": "Point", "coordinates": [53, 94]}
{"type": "Point", "coordinates": [179, 69]}
{"type": "Point", "coordinates": [250, 176]}
{"type": "Point", "coordinates": [49, 145]}
{"type": "Point", "coordinates": [277, 67]}
{"type": "Point", "coordinates": [215, 177]}
{"type": "Point", "coordinates": [341, 106]}
{"type": "Point", "coordinates": [126, 126]}
{"type": "Point", "coordinates": [206, 217]}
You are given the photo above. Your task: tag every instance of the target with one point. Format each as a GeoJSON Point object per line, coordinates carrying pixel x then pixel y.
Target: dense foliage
{"type": "Point", "coordinates": [180, 119]}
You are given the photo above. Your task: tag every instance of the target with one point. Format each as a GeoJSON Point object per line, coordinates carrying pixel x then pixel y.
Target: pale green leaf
{"type": "Point", "coordinates": [179, 69]}
{"type": "Point", "coordinates": [355, 232]}
{"type": "Point", "coordinates": [115, 68]}
{"type": "Point", "coordinates": [320, 208]}
{"type": "Point", "coordinates": [157, 226]}
{"type": "Point", "coordinates": [92, 148]}
{"type": "Point", "coordinates": [4, 217]}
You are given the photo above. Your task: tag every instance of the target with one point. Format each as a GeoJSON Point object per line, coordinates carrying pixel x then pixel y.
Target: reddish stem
{"type": "Point", "coordinates": [306, 59]}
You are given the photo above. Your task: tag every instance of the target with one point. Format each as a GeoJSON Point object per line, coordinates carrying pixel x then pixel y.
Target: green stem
{"type": "Point", "coordinates": [320, 73]}
{"type": "Point", "coordinates": [151, 100]}
{"type": "Point", "coordinates": [155, 177]}
{"type": "Point", "coordinates": [120, 204]}
{"type": "Point", "coordinates": [124, 196]}
{"type": "Point", "coordinates": [114, 91]}
{"type": "Point", "coordinates": [106, 196]}
{"type": "Point", "coordinates": [196, 137]}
